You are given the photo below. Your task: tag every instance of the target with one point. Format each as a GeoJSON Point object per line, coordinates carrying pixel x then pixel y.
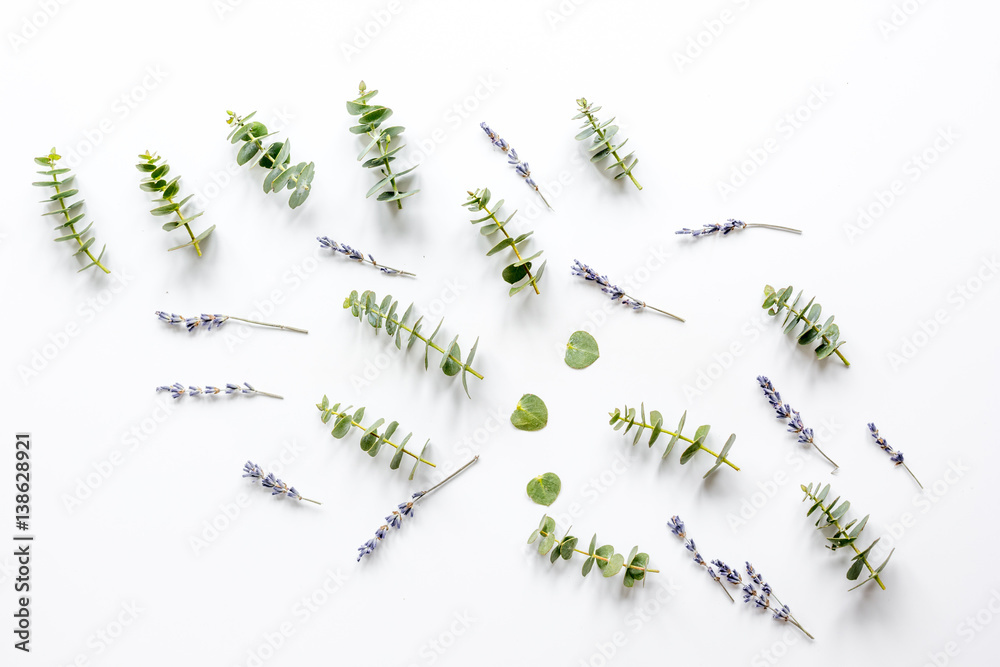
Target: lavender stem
{"type": "Point", "coordinates": [267, 324]}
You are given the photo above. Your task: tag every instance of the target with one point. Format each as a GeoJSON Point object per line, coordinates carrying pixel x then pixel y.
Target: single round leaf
{"type": "Point", "coordinates": [581, 350]}
{"type": "Point", "coordinates": [512, 273]}
{"type": "Point", "coordinates": [530, 413]}
{"type": "Point", "coordinates": [544, 489]}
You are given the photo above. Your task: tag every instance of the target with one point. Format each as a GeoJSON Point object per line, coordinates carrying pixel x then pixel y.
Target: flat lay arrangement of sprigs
{"type": "Point", "coordinates": [380, 148]}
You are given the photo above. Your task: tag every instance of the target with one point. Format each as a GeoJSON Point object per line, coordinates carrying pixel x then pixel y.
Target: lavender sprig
{"type": "Point", "coordinates": [785, 411]}
{"type": "Point", "coordinates": [395, 520]}
{"type": "Point", "coordinates": [762, 599]}
{"type": "Point", "coordinates": [357, 255]}
{"type": "Point", "coordinates": [209, 320]}
{"type": "Point", "coordinates": [269, 481]}
{"type": "Point", "coordinates": [894, 456]}
{"type": "Point", "coordinates": [616, 293]}
{"type": "Point", "coordinates": [677, 527]}
{"type": "Point", "coordinates": [177, 390]}
{"type": "Point", "coordinates": [520, 167]}
{"type": "Point", "coordinates": [732, 225]}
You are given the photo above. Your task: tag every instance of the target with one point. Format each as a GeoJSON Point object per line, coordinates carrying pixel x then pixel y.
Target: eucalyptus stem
{"type": "Point", "coordinates": [601, 135]}
{"type": "Point", "coordinates": [194, 239]}
{"type": "Point", "coordinates": [836, 522]}
{"type": "Point", "coordinates": [256, 140]}
{"type": "Point", "coordinates": [72, 227]}
{"type": "Point", "coordinates": [606, 560]}
{"type": "Point", "coordinates": [815, 327]}
{"type": "Point", "coordinates": [705, 449]}
{"type": "Point", "coordinates": [375, 309]}
{"type": "Point", "coordinates": [267, 324]}
{"type": "Point", "coordinates": [388, 170]}
{"type": "Point", "coordinates": [408, 452]}
{"type": "Point", "coordinates": [513, 246]}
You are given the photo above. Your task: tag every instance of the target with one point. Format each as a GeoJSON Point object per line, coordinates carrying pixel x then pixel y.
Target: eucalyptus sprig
{"type": "Point", "coordinates": [828, 333]}
{"type": "Point", "coordinates": [384, 315]}
{"type": "Point", "coordinates": [601, 135]}
{"type": "Point", "coordinates": [370, 124]}
{"type": "Point", "coordinates": [627, 418]}
{"type": "Point", "coordinates": [371, 439]}
{"type": "Point", "coordinates": [517, 274]}
{"type": "Point", "coordinates": [844, 536]}
{"type": "Point", "coordinates": [608, 562]}
{"type": "Point", "coordinates": [71, 213]}
{"type": "Point", "coordinates": [275, 157]}
{"type": "Point", "coordinates": [155, 182]}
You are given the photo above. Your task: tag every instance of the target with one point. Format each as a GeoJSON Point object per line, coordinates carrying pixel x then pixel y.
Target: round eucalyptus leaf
{"type": "Point", "coordinates": [530, 414]}
{"type": "Point", "coordinates": [581, 350]}
{"type": "Point", "coordinates": [544, 489]}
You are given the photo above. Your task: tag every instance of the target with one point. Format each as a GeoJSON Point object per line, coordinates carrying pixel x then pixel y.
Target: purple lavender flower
{"type": "Point", "coordinates": [269, 481]}
{"type": "Point", "coordinates": [177, 390]}
{"type": "Point", "coordinates": [358, 256]}
{"type": "Point", "coordinates": [731, 225]}
{"type": "Point", "coordinates": [785, 411]}
{"type": "Point", "coordinates": [750, 595]}
{"type": "Point", "coordinates": [762, 599]}
{"type": "Point", "coordinates": [677, 527]}
{"type": "Point", "coordinates": [169, 318]}
{"type": "Point", "coordinates": [395, 520]}
{"type": "Point", "coordinates": [367, 548]}
{"type": "Point", "coordinates": [616, 293]}
{"type": "Point", "coordinates": [520, 167]}
{"type": "Point", "coordinates": [209, 321]}
{"type": "Point", "coordinates": [728, 226]}
{"type": "Point", "coordinates": [894, 456]}
{"type": "Point", "coordinates": [731, 575]}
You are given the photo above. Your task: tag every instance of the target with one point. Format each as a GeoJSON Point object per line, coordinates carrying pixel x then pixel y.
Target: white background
{"type": "Point", "coordinates": [126, 482]}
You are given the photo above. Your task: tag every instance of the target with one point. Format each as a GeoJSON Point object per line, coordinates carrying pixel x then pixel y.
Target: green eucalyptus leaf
{"type": "Point", "coordinates": [544, 489]}
{"type": "Point", "coordinates": [581, 350]}
{"type": "Point", "coordinates": [614, 565]}
{"type": "Point", "coordinates": [530, 413]}
{"type": "Point", "coordinates": [513, 273]}
{"type": "Point", "coordinates": [604, 553]}
{"type": "Point", "coordinates": [676, 436]}
{"type": "Point", "coordinates": [689, 452]}
{"type": "Point", "coordinates": [567, 547]}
